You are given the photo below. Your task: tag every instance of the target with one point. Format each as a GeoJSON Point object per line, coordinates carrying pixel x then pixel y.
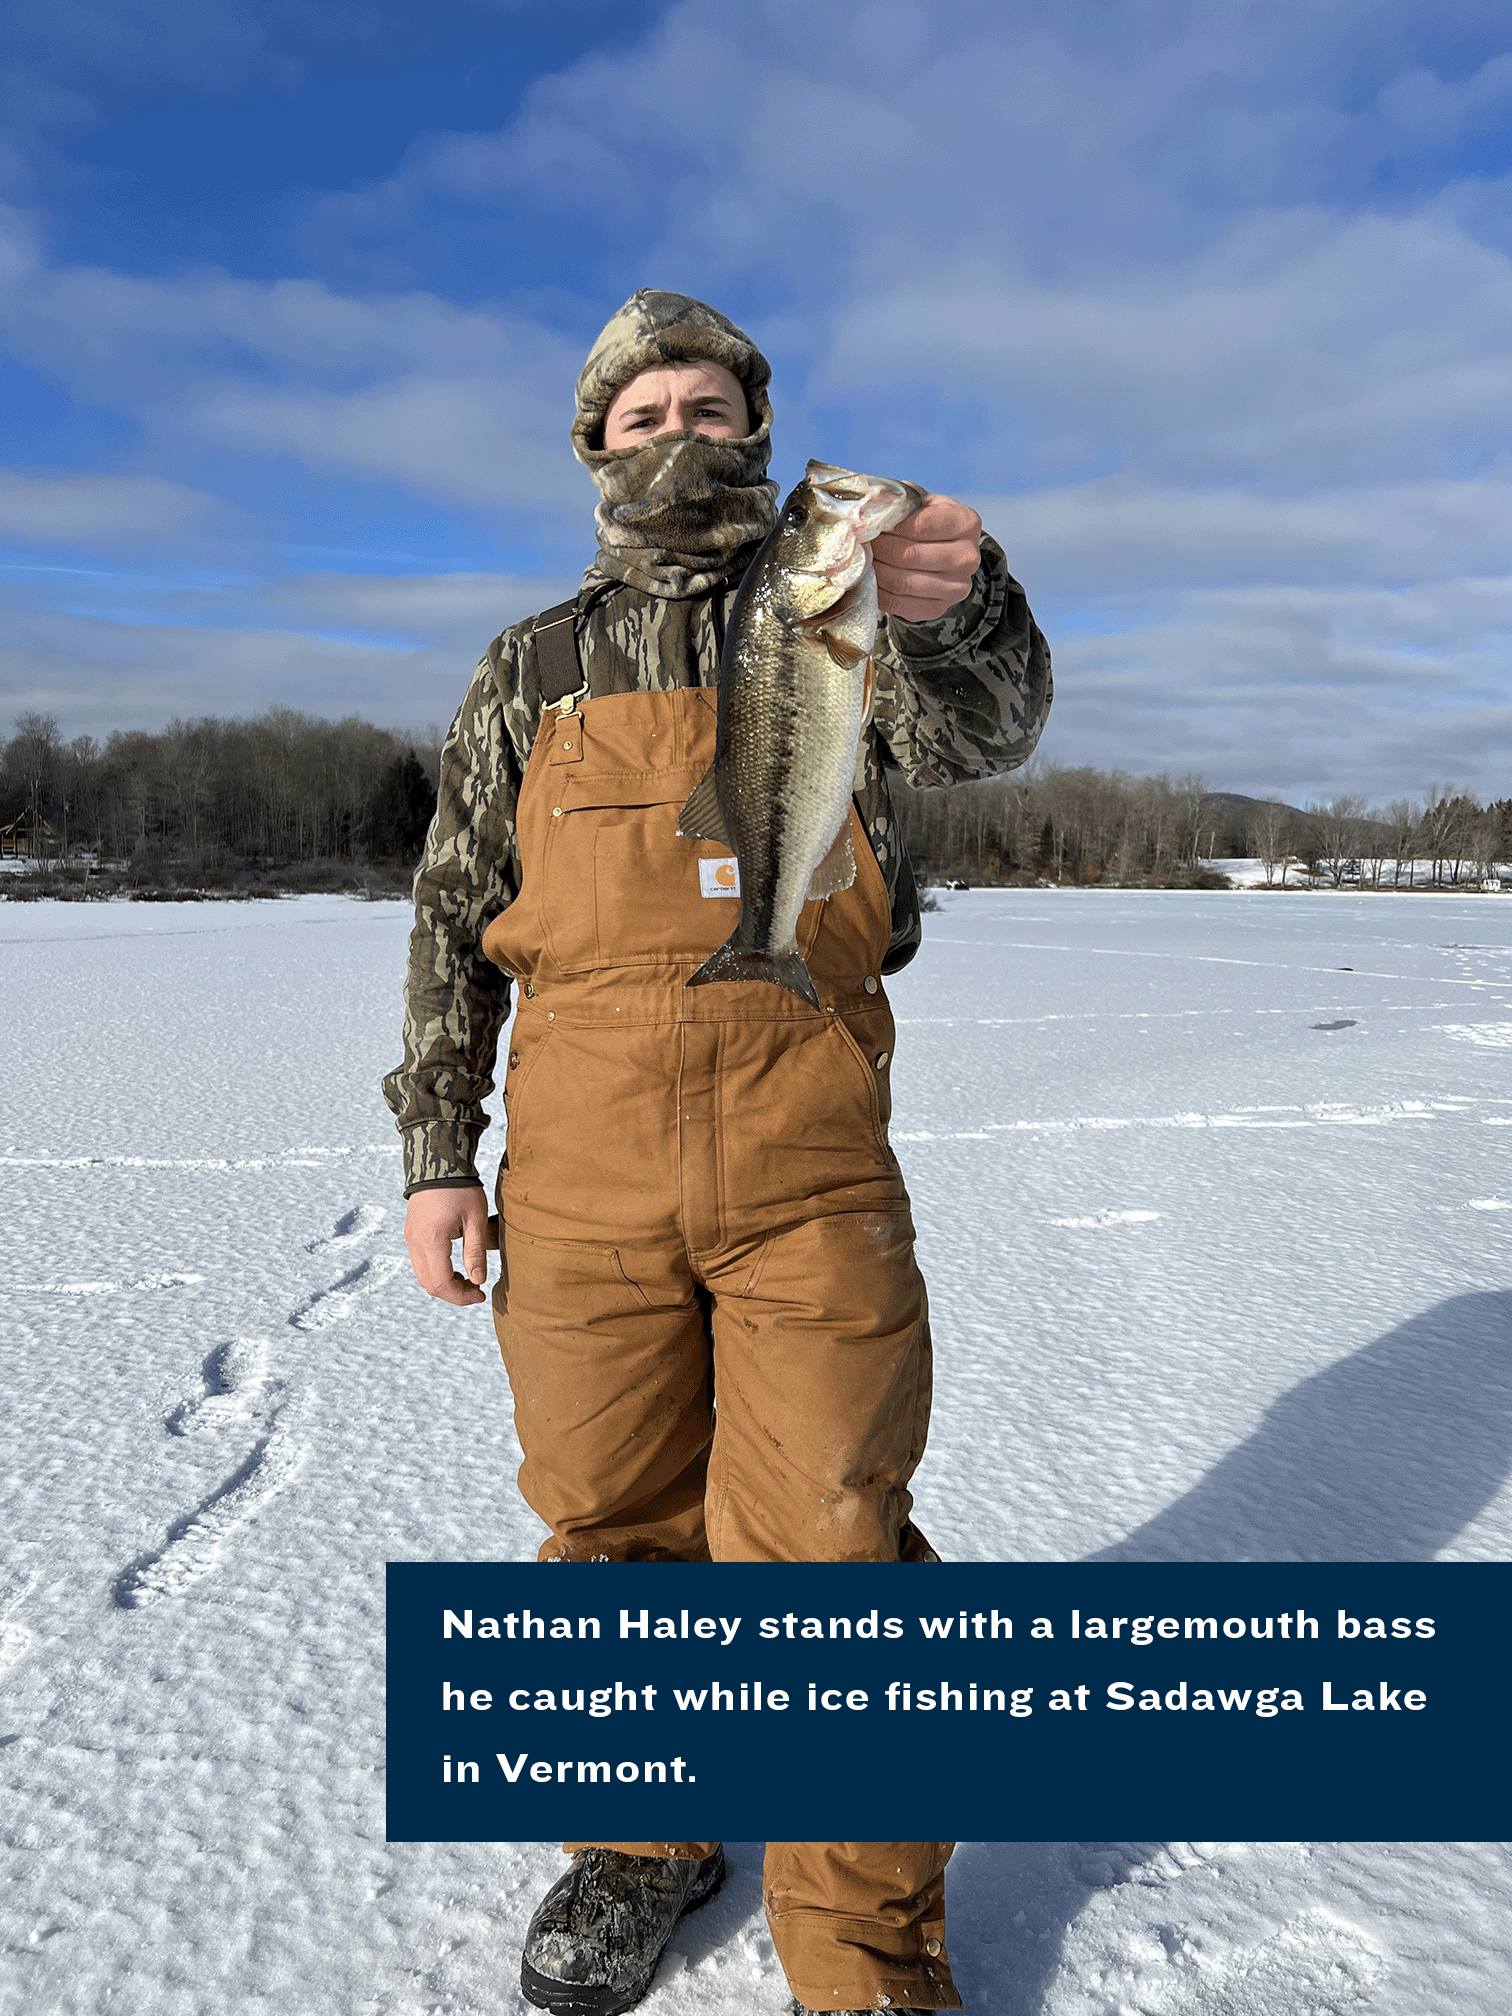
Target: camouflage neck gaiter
{"type": "Point", "coordinates": [681, 513]}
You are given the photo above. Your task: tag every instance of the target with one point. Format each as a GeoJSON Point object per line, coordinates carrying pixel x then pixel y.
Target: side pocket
{"type": "Point", "coordinates": [501, 1286]}
{"type": "Point", "coordinates": [868, 1040]}
{"type": "Point", "coordinates": [634, 1287]}
{"type": "Point", "coordinates": [525, 1050]}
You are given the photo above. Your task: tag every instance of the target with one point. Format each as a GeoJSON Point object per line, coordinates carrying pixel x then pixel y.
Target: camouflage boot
{"type": "Point", "coordinates": [597, 1935]}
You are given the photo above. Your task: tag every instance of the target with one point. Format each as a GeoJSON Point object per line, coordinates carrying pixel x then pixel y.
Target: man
{"type": "Point", "coordinates": [714, 1329]}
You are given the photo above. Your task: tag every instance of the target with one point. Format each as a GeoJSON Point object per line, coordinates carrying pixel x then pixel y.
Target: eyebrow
{"type": "Point", "coordinates": [702, 399]}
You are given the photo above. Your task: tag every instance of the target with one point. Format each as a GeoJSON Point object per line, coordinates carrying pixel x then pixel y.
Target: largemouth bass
{"type": "Point", "coordinates": [795, 692]}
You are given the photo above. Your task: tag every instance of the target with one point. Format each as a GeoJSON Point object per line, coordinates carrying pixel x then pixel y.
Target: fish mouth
{"type": "Point", "coordinates": [871, 504]}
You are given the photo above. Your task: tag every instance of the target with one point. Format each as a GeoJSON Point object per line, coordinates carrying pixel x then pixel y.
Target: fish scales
{"type": "Point", "coordinates": [794, 697]}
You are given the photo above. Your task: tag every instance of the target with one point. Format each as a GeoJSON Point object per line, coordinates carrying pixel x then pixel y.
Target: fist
{"type": "Point", "coordinates": [927, 564]}
{"type": "Point", "coordinates": [435, 1220]}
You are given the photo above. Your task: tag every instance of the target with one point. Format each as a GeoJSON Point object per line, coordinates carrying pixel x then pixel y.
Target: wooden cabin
{"type": "Point", "coordinates": [27, 839]}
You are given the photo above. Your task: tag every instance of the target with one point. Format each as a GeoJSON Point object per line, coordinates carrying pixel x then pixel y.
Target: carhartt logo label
{"type": "Point", "coordinates": [719, 877]}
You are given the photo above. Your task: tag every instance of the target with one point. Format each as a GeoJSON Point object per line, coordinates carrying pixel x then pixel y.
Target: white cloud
{"type": "Point", "coordinates": [1297, 693]}
{"type": "Point", "coordinates": [1266, 689]}
{"type": "Point", "coordinates": [1299, 349]}
{"type": "Point", "coordinates": [1439, 111]}
{"type": "Point", "coordinates": [1199, 304]}
{"type": "Point", "coordinates": [1088, 136]}
{"type": "Point", "coordinates": [465, 405]}
{"type": "Point", "coordinates": [101, 511]}
{"type": "Point", "coordinates": [1130, 236]}
{"type": "Point", "coordinates": [398, 651]}
{"type": "Point", "coordinates": [460, 612]}
{"type": "Point", "coordinates": [1122, 534]}
{"type": "Point", "coordinates": [458, 439]}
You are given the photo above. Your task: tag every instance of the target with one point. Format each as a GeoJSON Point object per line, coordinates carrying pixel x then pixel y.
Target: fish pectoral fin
{"type": "Point", "coordinates": [869, 690]}
{"type": "Point", "coordinates": [845, 654]}
{"type": "Point", "coordinates": [837, 870]}
{"type": "Point", "coordinates": [701, 818]}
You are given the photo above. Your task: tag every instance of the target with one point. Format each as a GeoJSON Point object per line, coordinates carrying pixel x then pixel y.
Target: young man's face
{"type": "Point", "coordinates": [670, 398]}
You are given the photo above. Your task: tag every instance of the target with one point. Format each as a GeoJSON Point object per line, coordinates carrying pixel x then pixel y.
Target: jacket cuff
{"type": "Point", "coordinates": [440, 1153]}
{"type": "Point", "coordinates": [921, 645]}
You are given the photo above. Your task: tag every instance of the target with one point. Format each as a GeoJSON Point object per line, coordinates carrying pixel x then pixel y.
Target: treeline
{"type": "Point", "coordinates": [284, 788]}
{"type": "Point", "coordinates": [207, 798]}
{"type": "Point", "coordinates": [1050, 823]}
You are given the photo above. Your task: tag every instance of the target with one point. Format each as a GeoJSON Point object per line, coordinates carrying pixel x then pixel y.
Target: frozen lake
{"type": "Point", "coordinates": [1215, 1207]}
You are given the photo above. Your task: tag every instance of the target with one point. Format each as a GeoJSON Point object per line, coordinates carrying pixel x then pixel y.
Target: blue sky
{"type": "Point", "coordinates": [1207, 308]}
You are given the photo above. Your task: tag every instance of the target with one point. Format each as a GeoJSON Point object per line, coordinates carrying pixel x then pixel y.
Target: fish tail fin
{"type": "Point", "coordinates": [734, 962]}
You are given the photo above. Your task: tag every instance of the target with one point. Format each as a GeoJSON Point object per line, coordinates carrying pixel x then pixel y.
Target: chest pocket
{"type": "Point", "coordinates": [623, 888]}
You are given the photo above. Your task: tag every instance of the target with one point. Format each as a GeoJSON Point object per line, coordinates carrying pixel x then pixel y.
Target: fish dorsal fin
{"type": "Point", "coordinates": [701, 818]}
{"type": "Point", "coordinates": [845, 654]}
{"type": "Point", "coordinates": [837, 870]}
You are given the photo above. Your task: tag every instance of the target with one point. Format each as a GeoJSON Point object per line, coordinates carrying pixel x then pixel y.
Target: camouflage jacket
{"type": "Point", "coordinates": [959, 698]}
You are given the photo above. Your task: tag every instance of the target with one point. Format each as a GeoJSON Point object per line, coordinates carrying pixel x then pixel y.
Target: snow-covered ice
{"type": "Point", "coordinates": [1215, 1207]}
{"type": "Point", "coordinates": [1205, 1187]}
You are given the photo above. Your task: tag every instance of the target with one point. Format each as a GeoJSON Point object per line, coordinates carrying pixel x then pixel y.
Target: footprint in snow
{"type": "Point", "coordinates": [237, 1388]}
{"type": "Point", "coordinates": [342, 1299]}
{"type": "Point", "coordinates": [1315, 1966]}
{"type": "Point", "coordinates": [237, 1391]}
{"type": "Point", "coordinates": [236, 1384]}
{"type": "Point", "coordinates": [194, 1543]}
{"type": "Point", "coordinates": [353, 1228]}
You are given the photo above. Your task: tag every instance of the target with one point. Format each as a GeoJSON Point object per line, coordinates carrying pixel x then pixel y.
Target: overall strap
{"type": "Point", "coordinates": [554, 634]}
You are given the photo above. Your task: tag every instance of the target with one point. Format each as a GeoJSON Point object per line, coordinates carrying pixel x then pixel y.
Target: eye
{"type": "Point", "coordinates": [797, 515]}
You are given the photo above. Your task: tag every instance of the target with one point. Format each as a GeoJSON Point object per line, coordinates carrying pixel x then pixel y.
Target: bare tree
{"type": "Point", "coordinates": [1192, 796]}
{"type": "Point", "coordinates": [1402, 817]}
{"type": "Point", "coordinates": [1338, 836]}
{"type": "Point", "coordinates": [32, 757]}
{"type": "Point", "coordinates": [1270, 835]}
{"type": "Point", "coordinates": [1499, 834]}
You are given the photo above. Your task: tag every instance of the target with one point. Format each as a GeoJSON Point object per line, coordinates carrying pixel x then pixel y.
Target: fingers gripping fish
{"type": "Point", "coordinates": [795, 692]}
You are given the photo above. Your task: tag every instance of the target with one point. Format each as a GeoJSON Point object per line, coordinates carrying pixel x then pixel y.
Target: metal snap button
{"type": "Point", "coordinates": [566, 745]}
{"type": "Point", "coordinates": [551, 1014]}
{"type": "Point", "coordinates": [881, 1059]}
{"type": "Point", "coordinates": [556, 811]}
{"type": "Point", "coordinates": [514, 1058]}
{"type": "Point", "coordinates": [530, 990]}
{"type": "Point", "coordinates": [870, 983]}
{"type": "Point", "coordinates": [932, 1948]}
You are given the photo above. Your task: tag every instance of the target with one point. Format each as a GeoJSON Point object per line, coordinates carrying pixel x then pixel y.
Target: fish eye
{"type": "Point", "coordinates": [797, 515]}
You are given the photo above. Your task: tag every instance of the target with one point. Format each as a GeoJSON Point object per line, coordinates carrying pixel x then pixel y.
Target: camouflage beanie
{"type": "Point", "coordinates": [682, 513]}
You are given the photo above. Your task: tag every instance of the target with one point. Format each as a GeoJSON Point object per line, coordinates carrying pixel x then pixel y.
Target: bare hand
{"type": "Point", "coordinates": [926, 565]}
{"type": "Point", "coordinates": [434, 1219]}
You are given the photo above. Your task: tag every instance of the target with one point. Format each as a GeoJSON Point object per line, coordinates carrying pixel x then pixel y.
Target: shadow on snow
{"type": "Point", "coordinates": [1385, 1456]}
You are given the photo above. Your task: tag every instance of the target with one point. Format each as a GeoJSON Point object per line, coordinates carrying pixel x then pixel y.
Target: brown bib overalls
{"type": "Point", "coordinates": [714, 1329]}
